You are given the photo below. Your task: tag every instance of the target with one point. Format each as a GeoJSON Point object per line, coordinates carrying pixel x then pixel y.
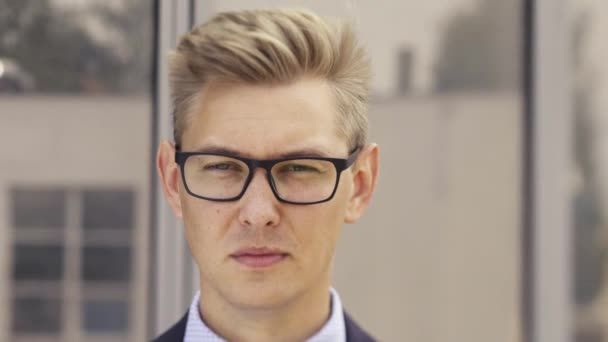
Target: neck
{"type": "Point", "coordinates": [294, 321]}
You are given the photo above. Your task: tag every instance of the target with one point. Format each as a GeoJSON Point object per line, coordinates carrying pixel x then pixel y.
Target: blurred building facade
{"type": "Point", "coordinates": [75, 218]}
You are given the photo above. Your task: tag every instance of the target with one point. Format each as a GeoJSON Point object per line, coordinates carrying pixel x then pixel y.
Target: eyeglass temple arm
{"type": "Point", "coordinates": [353, 156]}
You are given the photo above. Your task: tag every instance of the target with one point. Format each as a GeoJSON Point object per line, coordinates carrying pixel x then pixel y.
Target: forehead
{"type": "Point", "coordinates": [266, 119]}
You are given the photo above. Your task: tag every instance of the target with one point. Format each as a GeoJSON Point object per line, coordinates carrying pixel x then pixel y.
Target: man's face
{"type": "Point", "coordinates": [264, 122]}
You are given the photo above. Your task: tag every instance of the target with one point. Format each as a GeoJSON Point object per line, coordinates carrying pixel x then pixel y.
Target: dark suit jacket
{"type": "Point", "coordinates": [353, 332]}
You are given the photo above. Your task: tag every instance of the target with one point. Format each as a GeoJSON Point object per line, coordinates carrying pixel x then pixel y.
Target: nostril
{"type": "Point", "coordinates": [259, 216]}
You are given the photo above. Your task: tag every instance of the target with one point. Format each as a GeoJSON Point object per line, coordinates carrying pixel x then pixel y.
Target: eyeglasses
{"type": "Point", "coordinates": [298, 180]}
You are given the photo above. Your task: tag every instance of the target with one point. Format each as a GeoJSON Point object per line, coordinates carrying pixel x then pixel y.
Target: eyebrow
{"type": "Point", "coordinates": [303, 152]}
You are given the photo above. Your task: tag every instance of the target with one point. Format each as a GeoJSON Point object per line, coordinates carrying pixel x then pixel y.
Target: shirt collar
{"type": "Point", "coordinates": [333, 330]}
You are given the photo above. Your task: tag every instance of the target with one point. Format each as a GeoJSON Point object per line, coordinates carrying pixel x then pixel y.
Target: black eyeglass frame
{"type": "Point", "coordinates": [266, 164]}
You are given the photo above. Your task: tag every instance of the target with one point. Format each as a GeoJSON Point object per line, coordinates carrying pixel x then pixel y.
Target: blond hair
{"type": "Point", "coordinates": [273, 46]}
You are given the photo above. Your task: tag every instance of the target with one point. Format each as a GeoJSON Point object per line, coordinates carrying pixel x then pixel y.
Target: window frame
{"type": "Point", "coordinates": [173, 274]}
{"type": "Point", "coordinates": [547, 251]}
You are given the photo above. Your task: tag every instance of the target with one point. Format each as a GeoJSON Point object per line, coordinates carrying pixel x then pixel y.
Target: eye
{"type": "Point", "coordinates": [299, 168]}
{"type": "Point", "coordinates": [222, 167]}
{"type": "Point", "coordinates": [218, 166]}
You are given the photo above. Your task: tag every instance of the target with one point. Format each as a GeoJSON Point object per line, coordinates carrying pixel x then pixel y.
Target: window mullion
{"type": "Point", "coordinates": [72, 284]}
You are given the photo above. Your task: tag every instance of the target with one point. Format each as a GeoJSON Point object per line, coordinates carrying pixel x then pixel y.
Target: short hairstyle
{"type": "Point", "coordinates": [268, 47]}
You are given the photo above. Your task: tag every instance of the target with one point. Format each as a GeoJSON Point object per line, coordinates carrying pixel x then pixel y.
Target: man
{"type": "Point", "coordinates": [270, 159]}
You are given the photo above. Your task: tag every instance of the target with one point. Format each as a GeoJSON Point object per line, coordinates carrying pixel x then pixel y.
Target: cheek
{"type": "Point", "coordinates": [318, 229]}
{"type": "Point", "coordinates": [328, 222]}
{"type": "Point", "coordinates": [202, 214]}
{"type": "Point", "coordinates": [205, 225]}
{"type": "Point", "coordinates": [331, 214]}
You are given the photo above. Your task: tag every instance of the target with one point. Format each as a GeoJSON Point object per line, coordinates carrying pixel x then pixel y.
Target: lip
{"type": "Point", "coordinates": [259, 257]}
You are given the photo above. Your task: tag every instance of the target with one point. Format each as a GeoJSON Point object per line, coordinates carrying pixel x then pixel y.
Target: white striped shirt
{"type": "Point", "coordinates": [334, 329]}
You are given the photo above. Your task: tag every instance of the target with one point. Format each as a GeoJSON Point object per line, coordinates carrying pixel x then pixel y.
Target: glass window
{"type": "Point", "coordinates": [589, 25]}
{"type": "Point", "coordinates": [106, 263]}
{"type": "Point", "coordinates": [442, 235]}
{"type": "Point", "coordinates": [37, 315]}
{"type": "Point", "coordinates": [105, 316]}
{"type": "Point", "coordinates": [108, 209]}
{"type": "Point", "coordinates": [38, 208]}
{"type": "Point", "coordinates": [38, 262]}
{"type": "Point", "coordinates": [76, 122]}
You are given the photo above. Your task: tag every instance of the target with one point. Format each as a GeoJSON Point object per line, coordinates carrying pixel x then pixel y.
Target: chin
{"type": "Point", "coordinates": [260, 295]}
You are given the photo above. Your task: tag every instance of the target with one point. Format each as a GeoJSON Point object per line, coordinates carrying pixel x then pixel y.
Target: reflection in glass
{"type": "Point", "coordinates": [96, 48]}
{"type": "Point", "coordinates": [590, 189]}
{"type": "Point", "coordinates": [476, 49]}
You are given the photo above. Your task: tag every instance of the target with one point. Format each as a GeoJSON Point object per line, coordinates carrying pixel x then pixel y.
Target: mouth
{"type": "Point", "coordinates": [259, 257]}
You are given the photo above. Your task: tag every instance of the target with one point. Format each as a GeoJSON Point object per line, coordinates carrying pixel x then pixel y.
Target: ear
{"type": "Point", "coordinates": [365, 176]}
{"type": "Point", "coordinates": [169, 174]}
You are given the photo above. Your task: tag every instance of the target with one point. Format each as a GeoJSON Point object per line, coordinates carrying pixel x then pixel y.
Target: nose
{"type": "Point", "coordinates": [259, 206]}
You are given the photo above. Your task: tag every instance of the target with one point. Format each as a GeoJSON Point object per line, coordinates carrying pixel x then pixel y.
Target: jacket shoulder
{"type": "Point", "coordinates": [354, 333]}
{"type": "Point", "coordinates": [175, 333]}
